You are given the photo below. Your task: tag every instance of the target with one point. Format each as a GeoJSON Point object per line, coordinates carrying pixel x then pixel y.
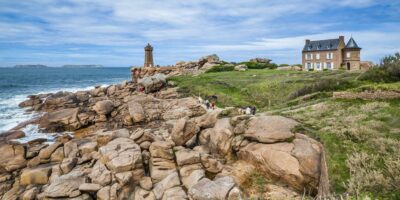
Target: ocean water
{"type": "Point", "coordinates": [17, 84]}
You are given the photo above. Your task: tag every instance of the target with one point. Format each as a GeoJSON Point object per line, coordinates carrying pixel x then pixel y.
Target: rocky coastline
{"type": "Point", "coordinates": [156, 144]}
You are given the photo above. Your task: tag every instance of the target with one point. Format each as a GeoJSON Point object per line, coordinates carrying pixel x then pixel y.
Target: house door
{"type": "Point", "coordinates": [348, 66]}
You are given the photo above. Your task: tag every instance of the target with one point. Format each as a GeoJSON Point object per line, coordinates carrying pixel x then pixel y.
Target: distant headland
{"type": "Point", "coordinates": [30, 66]}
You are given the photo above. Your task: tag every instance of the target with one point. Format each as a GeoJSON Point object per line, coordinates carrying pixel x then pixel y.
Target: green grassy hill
{"type": "Point", "coordinates": [362, 138]}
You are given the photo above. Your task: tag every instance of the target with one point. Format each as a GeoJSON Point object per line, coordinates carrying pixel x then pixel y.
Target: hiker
{"type": "Point", "coordinates": [207, 104]}
{"type": "Point", "coordinates": [213, 100]}
{"type": "Point", "coordinates": [248, 110]}
{"type": "Point", "coordinates": [253, 110]}
{"type": "Point", "coordinates": [133, 72]}
{"type": "Point", "coordinates": [200, 100]}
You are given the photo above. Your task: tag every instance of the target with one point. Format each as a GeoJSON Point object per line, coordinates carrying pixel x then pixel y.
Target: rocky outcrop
{"type": "Point", "coordinates": [156, 145]}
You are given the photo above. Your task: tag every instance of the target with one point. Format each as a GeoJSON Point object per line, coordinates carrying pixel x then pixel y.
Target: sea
{"type": "Point", "coordinates": [17, 83]}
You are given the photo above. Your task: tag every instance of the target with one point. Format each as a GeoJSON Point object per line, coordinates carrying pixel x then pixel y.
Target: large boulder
{"type": "Point", "coordinates": [170, 181]}
{"type": "Point", "coordinates": [153, 83]}
{"type": "Point", "coordinates": [100, 174]}
{"type": "Point", "coordinates": [103, 107]}
{"type": "Point", "coordinates": [161, 162]}
{"type": "Point", "coordinates": [183, 130]}
{"type": "Point", "coordinates": [275, 162]}
{"type": "Point", "coordinates": [12, 157]}
{"type": "Point", "coordinates": [220, 138]}
{"type": "Point", "coordinates": [122, 154]}
{"type": "Point", "coordinates": [206, 189]}
{"type": "Point", "coordinates": [270, 129]}
{"type": "Point", "coordinates": [38, 175]}
{"type": "Point", "coordinates": [61, 120]}
{"type": "Point", "coordinates": [66, 185]}
{"type": "Point", "coordinates": [136, 111]}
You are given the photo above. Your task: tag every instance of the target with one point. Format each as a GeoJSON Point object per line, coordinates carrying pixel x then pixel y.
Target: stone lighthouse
{"type": "Point", "coordinates": [148, 56]}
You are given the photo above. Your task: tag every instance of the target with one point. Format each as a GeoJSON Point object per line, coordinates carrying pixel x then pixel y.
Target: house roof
{"type": "Point", "coordinates": [351, 44]}
{"type": "Point", "coordinates": [321, 45]}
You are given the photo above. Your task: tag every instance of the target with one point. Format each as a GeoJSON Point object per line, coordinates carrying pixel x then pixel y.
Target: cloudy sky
{"type": "Point", "coordinates": [114, 32]}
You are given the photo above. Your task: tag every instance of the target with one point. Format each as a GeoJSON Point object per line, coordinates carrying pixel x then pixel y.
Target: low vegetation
{"type": "Point", "coordinates": [361, 138]}
{"type": "Point", "coordinates": [387, 71]}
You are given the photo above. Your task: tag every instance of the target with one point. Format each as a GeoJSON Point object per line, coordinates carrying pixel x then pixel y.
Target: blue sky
{"type": "Point", "coordinates": [114, 32]}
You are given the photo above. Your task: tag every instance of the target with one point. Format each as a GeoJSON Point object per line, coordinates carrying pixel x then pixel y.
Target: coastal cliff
{"type": "Point", "coordinates": [156, 144]}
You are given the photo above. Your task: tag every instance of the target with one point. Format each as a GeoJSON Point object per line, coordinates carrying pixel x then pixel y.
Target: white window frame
{"type": "Point", "coordinates": [348, 54]}
{"type": "Point", "coordinates": [329, 65]}
{"type": "Point", "coordinates": [309, 65]}
{"type": "Point", "coordinates": [311, 56]}
{"type": "Point", "coordinates": [329, 55]}
{"type": "Point", "coordinates": [317, 56]}
{"type": "Point", "coordinates": [318, 65]}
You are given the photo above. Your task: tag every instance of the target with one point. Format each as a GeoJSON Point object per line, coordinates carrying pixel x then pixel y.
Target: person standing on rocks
{"type": "Point", "coordinates": [207, 104]}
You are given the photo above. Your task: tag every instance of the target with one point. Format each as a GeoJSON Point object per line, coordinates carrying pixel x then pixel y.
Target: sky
{"type": "Point", "coordinates": [114, 32]}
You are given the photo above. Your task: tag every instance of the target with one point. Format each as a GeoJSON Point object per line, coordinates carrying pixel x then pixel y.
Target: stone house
{"type": "Point", "coordinates": [331, 54]}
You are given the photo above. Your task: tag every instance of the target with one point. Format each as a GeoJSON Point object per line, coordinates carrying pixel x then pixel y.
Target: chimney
{"type": "Point", "coordinates": [341, 38]}
{"type": "Point", "coordinates": [307, 41]}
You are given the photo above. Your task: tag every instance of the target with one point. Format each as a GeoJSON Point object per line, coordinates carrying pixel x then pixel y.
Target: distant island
{"type": "Point", "coordinates": [82, 66]}
{"type": "Point", "coordinates": [30, 66]}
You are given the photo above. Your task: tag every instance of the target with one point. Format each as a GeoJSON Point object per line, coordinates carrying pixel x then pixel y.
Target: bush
{"type": "Point", "coordinates": [283, 65]}
{"type": "Point", "coordinates": [221, 68]}
{"type": "Point", "coordinates": [323, 85]}
{"type": "Point", "coordinates": [254, 65]}
{"type": "Point", "coordinates": [387, 71]}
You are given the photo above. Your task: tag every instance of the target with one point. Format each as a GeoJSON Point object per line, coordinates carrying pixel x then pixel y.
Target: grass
{"type": "Point", "coordinates": [263, 88]}
{"type": "Point", "coordinates": [362, 138]}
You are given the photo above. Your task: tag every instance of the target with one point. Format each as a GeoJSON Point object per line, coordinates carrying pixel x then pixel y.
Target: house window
{"type": "Point", "coordinates": [318, 65]}
{"type": "Point", "coordinates": [348, 55]}
{"type": "Point", "coordinates": [317, 56]}
{"type": "Point", "coordinates": [309, 66]}
{"type": "Point", "coordinates": [311, 56]}
{"type": "Point", "coordinates": [329, 55]}
{"type": "Point", "coordinates": [328, 65]}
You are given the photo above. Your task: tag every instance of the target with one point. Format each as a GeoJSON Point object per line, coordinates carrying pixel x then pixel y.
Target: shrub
{"type": "Point", "coordinates": [283, 65]}
{"type": "Point", "coordinates": [387, 71]}
{"type": "Point", "coordinates": [255, 65]}
{"type": "Point", "coordinates": [323, 85]}
{"type": "Point", "coordinates": [221, 68]}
